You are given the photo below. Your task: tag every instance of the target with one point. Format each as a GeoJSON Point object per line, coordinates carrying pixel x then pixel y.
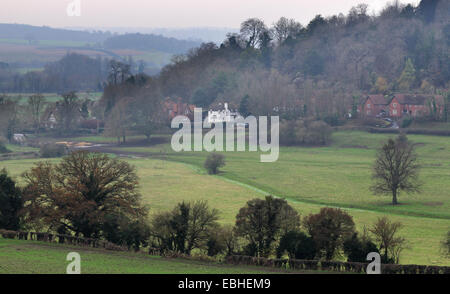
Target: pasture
{"type": "Point", "coordinates": [32, 257]}
{"type": "Point", "coordinates": [309, 178]}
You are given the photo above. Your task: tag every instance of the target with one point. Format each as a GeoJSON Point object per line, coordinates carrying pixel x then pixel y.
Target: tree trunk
{"type": "Point", "coordinates": [394, 197]}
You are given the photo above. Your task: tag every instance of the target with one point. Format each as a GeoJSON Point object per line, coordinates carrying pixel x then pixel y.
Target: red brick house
{"type": "Point", "coordinates": [178, 108]}
{"type": "Point", "coordinates": [415, 105]}
{"type": "Point", "coordinates": [375, 105]}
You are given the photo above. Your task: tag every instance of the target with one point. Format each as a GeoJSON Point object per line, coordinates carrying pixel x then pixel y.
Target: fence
{"type": "Point", "coordinates": [335, 266]}
{"type": "Point", "coordinates": [294, 264]}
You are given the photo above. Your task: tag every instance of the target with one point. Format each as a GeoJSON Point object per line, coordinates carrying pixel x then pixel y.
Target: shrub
{"type": "Point", "coordinates": [215, 243]}
{"type": "Point", "coordinates": [3, 148]}
{"type": "Point", "coordinates": [213, 162]}
{"type": "Point", "coordinates": [406, 122]}
{"type": "Point", "coordinates": [120, 230]}
{"type": "Point", "coordinates": [53, 150]}
{"type": "Point", "coordinates": [298, 246]}
{"type": "Point", "coordinates": [357, 248]}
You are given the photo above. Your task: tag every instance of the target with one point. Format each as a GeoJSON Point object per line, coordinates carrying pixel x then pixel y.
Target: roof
{"type": "Point", "coordinates": [418, 99]}
{"type": "Point", "coordinates": [378, 99]}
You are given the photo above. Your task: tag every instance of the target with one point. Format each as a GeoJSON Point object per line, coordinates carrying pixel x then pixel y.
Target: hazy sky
{"type": "Point", "coordinates": [171, 13]}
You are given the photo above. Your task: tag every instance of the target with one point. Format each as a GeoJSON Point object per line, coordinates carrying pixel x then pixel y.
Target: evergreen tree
{"type": "Point", "coordinates": [408, 76]}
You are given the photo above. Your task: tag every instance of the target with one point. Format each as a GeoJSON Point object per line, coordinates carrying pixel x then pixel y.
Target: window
{"type": "Point", "coordinates": [368, 105]}
{"type": "Point", "coordinates": [395, 104]}
{"type": "Point", "coordinates": [394, 112]}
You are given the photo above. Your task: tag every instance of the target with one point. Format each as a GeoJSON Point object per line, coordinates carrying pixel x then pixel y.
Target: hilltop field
{"type": "Point", "coordinates": [309, 178]}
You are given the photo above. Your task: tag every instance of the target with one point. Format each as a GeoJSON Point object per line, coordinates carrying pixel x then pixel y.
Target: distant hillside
{"type": "Point", "coordinates": [196, 34]}
{"type": "Point", "coordinates": [32, 33]}
{"type": "Point", "coordinates": [25, 48]}
{"type": "Point", "coordinates": [145, 42]}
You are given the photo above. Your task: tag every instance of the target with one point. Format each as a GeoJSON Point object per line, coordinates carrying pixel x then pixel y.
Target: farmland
{"type": "Point", "coordinates": [338, 175]}
{"type": "Point", "coordinates": [35, 56]}
{"type": "Point", "coordinates": [30, 257]}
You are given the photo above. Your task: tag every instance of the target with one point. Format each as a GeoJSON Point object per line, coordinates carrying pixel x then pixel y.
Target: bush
{"type": "Point", "coordinates": [297, 245]}
{"type": "Point", "coordinates": [357, 248]}
{"type": "Point", "coordinates": [53, 150]}
{"type": "Point", "coordinates": [215, 243]}
{"type": "Point", "coordinates": [213, 162]}
{"type": "Point", "coordinates": [406, 122]}
{"type": "Point", "coordinates": [3, 148]}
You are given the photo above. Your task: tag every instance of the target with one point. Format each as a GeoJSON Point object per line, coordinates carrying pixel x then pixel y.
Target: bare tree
{"type": "Point", "coordinates": [385, 233]}
{"type": "Point", "coordinates": [252, 29]}
{"type": "Point", "coordinates": [285, 28]}
{"type": "Point", "coordinates": [396, 169]}
{"type": "Point", "coordinates": [68, 109]}
{"type": "Point", "coordinates": [35, 103]}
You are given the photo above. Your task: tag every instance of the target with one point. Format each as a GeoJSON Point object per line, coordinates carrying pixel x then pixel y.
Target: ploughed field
{"type": "Point", "coordinates": [309, 178]}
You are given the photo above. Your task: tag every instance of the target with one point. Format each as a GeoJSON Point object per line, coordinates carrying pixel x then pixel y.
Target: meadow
{"type": "Point", "coordinates": [309, 178]}
{"type": "Point", "coordinates": [33, 257]}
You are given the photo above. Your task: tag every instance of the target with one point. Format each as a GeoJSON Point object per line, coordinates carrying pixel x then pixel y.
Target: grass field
{"type": "Point", "coordinates": [309, 178]}
{"type": "Point", "coordinates": [32, 257]}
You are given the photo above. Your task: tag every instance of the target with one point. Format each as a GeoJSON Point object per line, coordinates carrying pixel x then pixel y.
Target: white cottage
{"type": "Point", "coordinates": [222, 116]}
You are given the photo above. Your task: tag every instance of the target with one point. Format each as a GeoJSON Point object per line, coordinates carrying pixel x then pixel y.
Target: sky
{"type": "Point", "coordinates": [171, 13]}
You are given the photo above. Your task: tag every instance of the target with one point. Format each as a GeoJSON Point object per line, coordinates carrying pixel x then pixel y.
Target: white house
{"type": "Point", "coordinates": [223, 116]}
{"type": "Point", "coordinates": [19, 138]}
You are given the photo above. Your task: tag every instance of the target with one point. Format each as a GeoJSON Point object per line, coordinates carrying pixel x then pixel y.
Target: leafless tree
{"type": "Point", "coordinates": [285, 28]}
{"type": "Point", "coordinates": [35, 103]}
{"type": "Point", "coordinates": [386, 235]}
{"type": "Point", "coordinates": [396, 169]}
{"type": "Point", "coordinates": [252, 29]}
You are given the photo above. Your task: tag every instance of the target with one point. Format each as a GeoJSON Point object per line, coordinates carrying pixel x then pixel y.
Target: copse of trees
{"type": "Point", "coordinates": [73, 72]}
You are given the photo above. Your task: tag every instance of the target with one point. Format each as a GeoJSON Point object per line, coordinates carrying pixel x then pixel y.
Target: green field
{"type": "Point", "coordinates": [309, 178]}
{"type": "Point", "coordinates": [32, 257]}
